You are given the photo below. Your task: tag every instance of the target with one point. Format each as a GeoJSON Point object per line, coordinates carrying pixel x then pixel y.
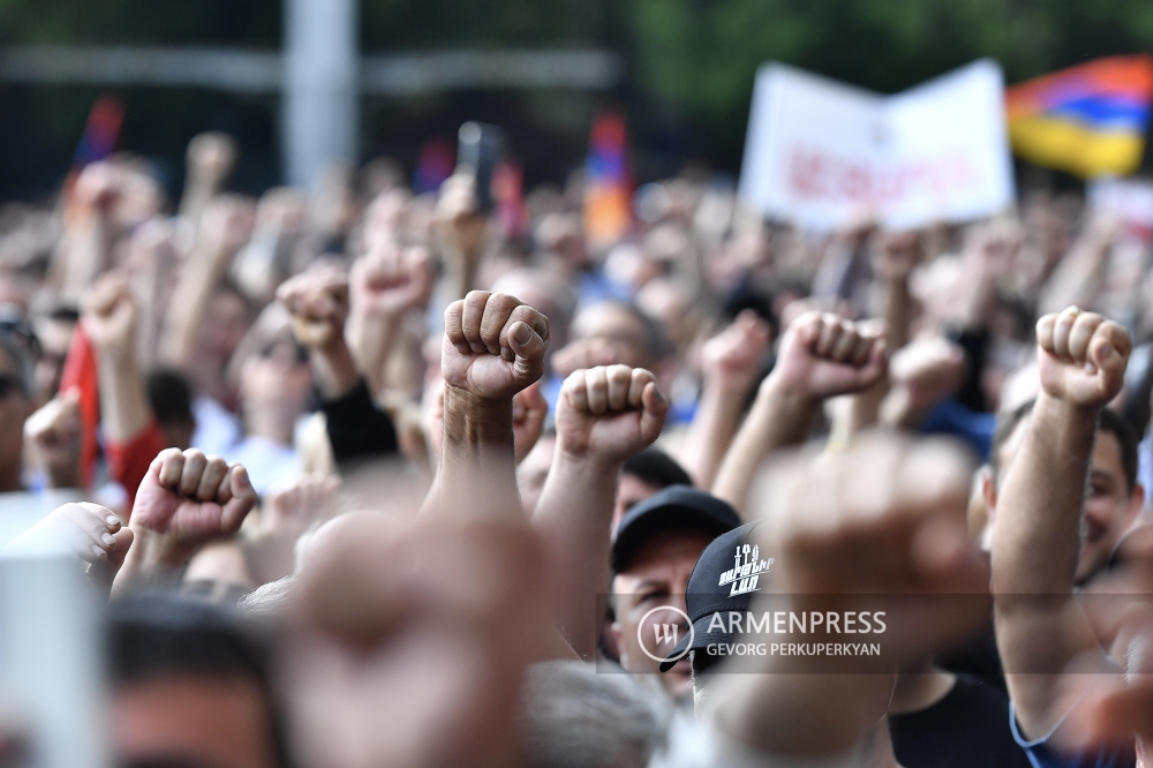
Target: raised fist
{"type": "Point", "coordinates": [1082, 357]}
{"type": "Point", "coordinates": [823, 355]}
{"type": "Point", "coordinates": [192, 498]}
{"type": "Point", "coordinates": [929, 370]}
{"type": "Point", "coordinates": [97, 187]}
{"type": "Point", "coordinates": [876, 526]}
{"type": "Point", "coordinates": [609, 413]}
{"type": "Point", "coordinates": [53, 435]}
{"type": "Point", "coordinates": [211, 155]}
{"type": "Point", "coordinates": [493, 345]}
{"type": "Point", "coordinates": [732, 358]}
{"type": "Point", "coordinates": [318, 303]}
{"type": "Point", "coordinates": [896, 254]}
{"type": "Point", "coordinates": [109, 315]}
{"type": "Point", "coordinates": [290, 512]}
{"type": "Point", "coordinates": [389, 281]}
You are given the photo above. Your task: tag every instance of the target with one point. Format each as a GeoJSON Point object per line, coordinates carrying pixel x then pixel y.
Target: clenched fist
{"type": "Point", "coordinates": [493, 345]}
{"type": "Point", "coordinates": [318, 303]}
{"type": "Point", "coordinates": [192, 498]}
{"type": "Point", "coordinates": [823, 355]}
{"type": "Point", "coordinates": [389, 281]}
{"type": "Point", "coordinates": [109, 315]}
{"type": "Point", "coordinates": [609, 413]}
{"type": "Point", "coordinates": [1082, 357]}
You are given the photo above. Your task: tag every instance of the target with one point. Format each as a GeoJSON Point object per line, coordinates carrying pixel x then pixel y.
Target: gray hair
{"type": "Point", "coordinates": [577, 717]}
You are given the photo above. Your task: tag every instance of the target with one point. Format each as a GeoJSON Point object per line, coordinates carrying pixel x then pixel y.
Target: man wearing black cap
{"type": "Point", "coordinates": [657, 545]}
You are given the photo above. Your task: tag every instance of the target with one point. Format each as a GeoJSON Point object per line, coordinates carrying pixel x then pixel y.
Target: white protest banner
{"type": "Point", "coordinates": [823, 154]}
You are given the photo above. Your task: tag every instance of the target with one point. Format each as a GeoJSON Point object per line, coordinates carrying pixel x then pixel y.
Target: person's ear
{"type": "Point", "coordinates": [1136, 503]}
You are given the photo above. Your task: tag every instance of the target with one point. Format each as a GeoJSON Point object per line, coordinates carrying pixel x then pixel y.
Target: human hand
{"type": "Point", "coordinates": [189, 499]}
{"type": "Point", "coordinates": [823, 355]}
{"type": "Point", "coordinates": [457, 216]}
{"type": "Point", "coordinates": [211, 156]}
{"type": "Point", "coordinates": [1081, 357]}
{"type": "Point", "coordinates": [879, 524]}
{"type": "Point", "coordinates": [290, 512]}
{"type": "Point", "coordinates": [609, 414]}
{"type": "Point", "coordinates": [732, 358]}
{"type": "Point", "coordinates": [928, 370]}
{"type": "Point", "coordinates": [529, 410]}
{"type": "Point", "coordinates": [89, 531]}
{"type": "Point", "coordinates": [53, 436]}
{"type": "Point", "coordinates": [388, 641]}
{"type": "Point", "coordinates": [896, 254]}
{"type": "Point", "coordinates": [493, 345]}
{"type": "Point", "coordinates": [318, 301]}
{"type": "Point", "coordinates": [389, 281]}
{"type": "Point", "coordinates": [109, 316]}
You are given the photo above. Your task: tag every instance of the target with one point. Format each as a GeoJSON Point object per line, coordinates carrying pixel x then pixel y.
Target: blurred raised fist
{"type": "Point", "coordinates": [823, 355]}
{"type": "Point", "coordinates": [493, 345]}
{"type": "Point", "coordinates": [609, 413]}
{"type": "Point", "coordinates": [732, 358]}
{"type": "Point", "coordinates": [882, 520]}
{"type": "Point", "coordinates": [896, 254]}
{"type": "Point", "coordinates": [929, 370]}
{"type": "Point", "coordinates": [290, 512]}
{"type": "Point", "coordinates": [109, 315]}
{"type": "Point", "coordinates": [457, 216]}
{"type": "Point", "coordinates": [192, 498]}
{"type": "Point", "coordinates": [211, 155]}
{"type": "Point", "coordinates": [318, 302]}
{"type": "Point", "coordinates": [389, 281]}
{"type": "Point", "coordinates": [1082, 357]}
{"type": "Point", "coordinates": [52, 435]}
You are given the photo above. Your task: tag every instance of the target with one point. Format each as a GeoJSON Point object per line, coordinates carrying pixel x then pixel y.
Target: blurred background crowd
{"type": "Point", "coordinates": [495, 270]}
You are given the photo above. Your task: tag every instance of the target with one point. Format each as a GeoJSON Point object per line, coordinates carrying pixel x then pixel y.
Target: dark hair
{"type": "Point", "coordinates": [656, 468]}
{"type": "Point", "coordinates": [157, 635]}
{"type": "Point", "coordinates": [170, 396]}
{"type": "Point", "coordinates": [1108, 420]}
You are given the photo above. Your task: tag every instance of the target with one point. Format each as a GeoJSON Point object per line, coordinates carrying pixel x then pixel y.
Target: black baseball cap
{"type": "Point", "coordinates": [727, 575]}
{"type": "Point", "coordinates": [678, 507]}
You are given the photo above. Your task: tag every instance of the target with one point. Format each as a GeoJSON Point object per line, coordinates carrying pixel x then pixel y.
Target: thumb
{"type": "Point", "coordinates": [529, 349]}
{"type": "Point", "coordinates": [656, 408]}
{"type": "Point", "coordinates": [242, 501]}
{"type": "Point", "coordinates": [1108, 359]}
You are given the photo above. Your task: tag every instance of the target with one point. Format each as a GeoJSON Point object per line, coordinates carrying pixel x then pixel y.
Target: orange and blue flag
{"type": "Point", "coordinates": [1089, 120]}
{"type": "Point", "coordinates": [608, 181]}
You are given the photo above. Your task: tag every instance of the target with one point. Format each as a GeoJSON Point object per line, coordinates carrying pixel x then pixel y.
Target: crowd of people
{"type": "Point", "coordinates": [371, 478]}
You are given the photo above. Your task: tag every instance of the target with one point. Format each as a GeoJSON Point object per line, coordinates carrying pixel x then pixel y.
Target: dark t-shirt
{"type": "Point", "coordinates": [969, 727]}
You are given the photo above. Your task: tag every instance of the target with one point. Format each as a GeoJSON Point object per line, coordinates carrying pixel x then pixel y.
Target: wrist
{"type": "Point", "coordinates": [155, 551]}
{"type": "Point", "coordinates": [776, 388]}
{"type": "Point", "coordinates": [587, 459]}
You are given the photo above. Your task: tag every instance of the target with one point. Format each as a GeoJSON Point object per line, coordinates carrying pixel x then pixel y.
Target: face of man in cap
{"type": "Point", "coordinates": [656, 577]}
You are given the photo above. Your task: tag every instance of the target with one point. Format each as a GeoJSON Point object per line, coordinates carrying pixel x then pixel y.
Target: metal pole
{"type": "Point", "coordinates": [320, 109]}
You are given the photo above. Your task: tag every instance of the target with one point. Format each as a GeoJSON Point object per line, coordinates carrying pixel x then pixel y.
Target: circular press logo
{"type": "Point", "coordinates": [664, 635]}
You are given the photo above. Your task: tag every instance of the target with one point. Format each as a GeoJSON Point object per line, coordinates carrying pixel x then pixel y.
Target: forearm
{"type": "Point", "coordinates": [573, 516]}
{"type": "Point", "coordinates": [124, 407]}
{"type": "Point", "coordinates": [188, 304]}
{"type": "Point", "coordinates": [778, 418]}
{"type": "Point", "coordinates": [335, 370]}
{"type": "Point", "coordinates": [478, 466]}
{"type": "Point", "coordinates": [153, 560]}
{"type": "Point", "coordinates": [372, 339]}
{"type": "Point", "coordinates": [1035, 548]}
{"type": "Point", "coordinates": [711, 432]}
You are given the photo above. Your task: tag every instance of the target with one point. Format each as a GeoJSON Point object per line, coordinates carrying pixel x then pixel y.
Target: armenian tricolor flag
{"type": "Point", "coordinates": [608, 182]}
{"type": "Point", "coordinates": [1089, 120]}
